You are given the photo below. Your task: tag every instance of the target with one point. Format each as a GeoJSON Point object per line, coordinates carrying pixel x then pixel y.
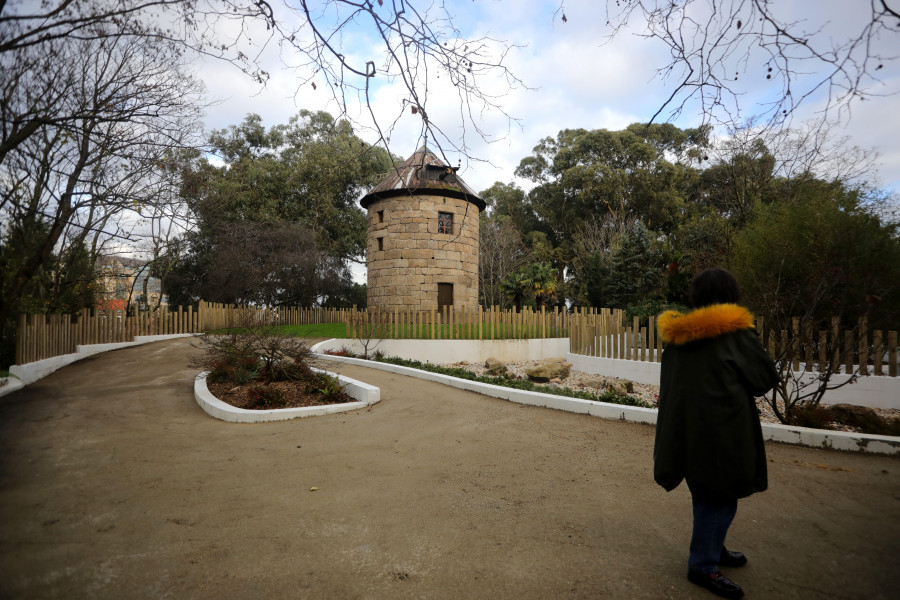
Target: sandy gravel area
{"type": "Point", "coordinates": [114, 484]}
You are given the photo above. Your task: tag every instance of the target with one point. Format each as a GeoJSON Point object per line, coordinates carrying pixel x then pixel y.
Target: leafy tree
{"type": "Point", "coordinates": [737, 183]}
{"type": "Point", "coordinates": [311, 171]}
{"type": "Point", "coordinates": [633, 273]}
{"type": "Point", "coordinates": [65, 283]}
{"type": "Point", "coordinates": [507, 200]}
{"type": "Point", "coordinates": [821, 254]}
{"type": "Point", "coordinates": [621, 175]}
{"type": "Point", "coordinates": [534, 283]}
{"type": "Point", "coordinates": [274, 264]}
{"type": "Point", "coordinates": [286, 196]}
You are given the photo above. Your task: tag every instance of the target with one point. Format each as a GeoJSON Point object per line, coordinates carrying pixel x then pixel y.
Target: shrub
{"type": "Point", "coordinates": [327, 385]}
{"type": "Point", "coordinates": [344, 351]}
{"type": "Point", "coordinates": [264, 396]}
{"type": "Point", "coordinates": [252, 353]}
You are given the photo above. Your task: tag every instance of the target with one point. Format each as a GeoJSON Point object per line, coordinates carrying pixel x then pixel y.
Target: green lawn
{"type": "Point", "coordinates": [418, 331]}
{"type": "Point", "coordinates": [322, 330]}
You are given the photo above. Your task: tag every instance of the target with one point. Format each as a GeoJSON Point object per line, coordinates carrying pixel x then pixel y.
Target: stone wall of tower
{"type": "Point", "coordinates": [404, 271]}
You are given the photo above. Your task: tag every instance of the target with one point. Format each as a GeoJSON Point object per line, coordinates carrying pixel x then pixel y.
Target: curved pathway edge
{"type": "Point", "coordinates": [365, 394]}
{"type": "Point", "coordinates": [787, 434]}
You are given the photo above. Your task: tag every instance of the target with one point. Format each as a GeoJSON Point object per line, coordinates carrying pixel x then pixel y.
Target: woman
{"type": "Point", "coordinates": [708, 430]}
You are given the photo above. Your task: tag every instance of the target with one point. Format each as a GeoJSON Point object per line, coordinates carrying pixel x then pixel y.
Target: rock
{"type": "Point", "coordinates": [495, 368]}
{"type": "Point", "coordinates": [556, 380]}
{"type": "Point", "coordinates": [548, 369]}
{"type": "Point", "coordinates": [618, 388]}
{"type": "Point", "coordinates": [599, 383]}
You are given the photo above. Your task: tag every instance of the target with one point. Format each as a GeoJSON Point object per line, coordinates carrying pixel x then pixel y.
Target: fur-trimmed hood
{"type": "Point", "coordinates": [703, 323]}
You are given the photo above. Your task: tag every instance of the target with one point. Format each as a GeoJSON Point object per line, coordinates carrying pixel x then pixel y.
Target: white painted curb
{"type": "Point", "coordinates": [365, 394]}
{"type": "Point", "coordinates": [787, 434]}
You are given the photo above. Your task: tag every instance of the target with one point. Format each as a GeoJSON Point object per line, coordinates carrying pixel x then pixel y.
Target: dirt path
{"type": "Point", "coordinates": [114, 484]}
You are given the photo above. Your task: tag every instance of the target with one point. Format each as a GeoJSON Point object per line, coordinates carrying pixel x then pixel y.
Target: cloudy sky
{"type": "Point", "coordinates": [575, 79]}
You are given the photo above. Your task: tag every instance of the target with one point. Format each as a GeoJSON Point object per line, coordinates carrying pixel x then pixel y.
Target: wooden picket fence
{"type": "Point", "coordinates": [833, 346]}
{"type": "Point", "coordinates": [224, 316]}
{"type": "Point", "coordinates": [606, 333]}
{"type": "Point", "coordinates": [43, 336]}
{"type": "Point", "coordinates": [592, 332]}
{"type": "Point", "coordinates": [47, 335]}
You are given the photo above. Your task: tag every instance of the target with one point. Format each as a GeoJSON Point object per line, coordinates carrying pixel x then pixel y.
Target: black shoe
{"type": "Point", "coordinates": [717, 583]}
{"type": "Point", "coordinates": [732, 559]}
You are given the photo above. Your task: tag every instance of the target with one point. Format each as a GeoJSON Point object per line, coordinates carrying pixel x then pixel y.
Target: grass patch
{"type": "Point", "coordinates": [406, 332]}
{"type": "Point", "coordinates": [319, 330]}
{"type": "Point", "coordinates": [458, 331]}
{"type": "Point", "coordinates": [519, 384]}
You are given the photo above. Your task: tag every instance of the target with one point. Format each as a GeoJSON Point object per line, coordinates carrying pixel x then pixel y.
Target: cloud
{"type": "Point", "coordinates": [577, 80]}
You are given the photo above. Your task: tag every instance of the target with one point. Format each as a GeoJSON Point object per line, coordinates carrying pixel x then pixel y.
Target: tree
{"type": "Point", "coordinates": [820, 253]}
{"type": "Point", "coordinates": [632, 273]}
{"type": "Point", "coordinates": [534, 283]}
{"type": "Point", "coordinates": [501, 252]}
{"type": "Point", "coordinates": [271, 264]}
{"type": "Point", "coordinates": [311, 171]}
{"type": "Point", "coordinates": [621, 175]}
{"type": "Point", "coordinates": [74, 181]}
{"type": "Point", "coordinates": [413, 45]}
{"type": "Point", "coordinates": [502, 248]}
{"type": "Point", "coordinates": [715, 47]}
{"type": "Point", "coordinates": [286, 196]}
{"type": "Point", "coordinates": [816, 253]}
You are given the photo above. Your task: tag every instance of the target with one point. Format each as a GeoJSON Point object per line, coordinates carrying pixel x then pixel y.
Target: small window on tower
{"type": "Point", "coordinates": [381, 216]}
{"type": "Point", "coordinates": [381, 243]}
{"type": "Point", "coordinates": [445, 222]}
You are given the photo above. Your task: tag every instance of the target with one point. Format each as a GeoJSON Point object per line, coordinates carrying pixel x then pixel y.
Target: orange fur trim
{"type": "Point", "coordinates": [702, 323]}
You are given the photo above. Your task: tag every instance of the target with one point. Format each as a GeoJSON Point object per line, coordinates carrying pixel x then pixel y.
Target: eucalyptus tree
{"type": "Point", "coordinates": [284, 194]}
{"type": "Point", "coordinates": [643, 172]}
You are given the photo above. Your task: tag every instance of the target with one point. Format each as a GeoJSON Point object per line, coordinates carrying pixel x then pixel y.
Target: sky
{"type": "Point", "coordinates": [574, 79]}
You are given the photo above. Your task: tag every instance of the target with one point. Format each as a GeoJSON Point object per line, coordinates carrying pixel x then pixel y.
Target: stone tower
{"type": "Point", "coordinates": [422, 237]}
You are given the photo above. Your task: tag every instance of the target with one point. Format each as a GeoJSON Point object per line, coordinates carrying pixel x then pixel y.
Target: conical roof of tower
{"type": "Point", "coordinates": [423, 173]}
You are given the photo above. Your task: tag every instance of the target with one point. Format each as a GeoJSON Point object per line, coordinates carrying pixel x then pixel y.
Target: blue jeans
{"type": "Point", "coordinates": [711, 522]}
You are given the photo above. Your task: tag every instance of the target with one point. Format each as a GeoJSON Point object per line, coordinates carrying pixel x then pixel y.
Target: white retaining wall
{"type": "Point", "coordinates": [454, 351]}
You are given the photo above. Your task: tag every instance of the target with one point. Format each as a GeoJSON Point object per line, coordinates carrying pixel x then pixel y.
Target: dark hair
{"type": "Point", "coordinates": [714, 286]}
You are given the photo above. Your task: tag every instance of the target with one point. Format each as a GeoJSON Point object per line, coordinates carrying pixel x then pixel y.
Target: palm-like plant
{"type": "Point", "coordinates": [537, 281]}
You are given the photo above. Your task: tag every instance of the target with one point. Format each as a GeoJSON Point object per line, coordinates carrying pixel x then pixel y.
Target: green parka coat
{"type": "Point", "coordinates": [708, 430]}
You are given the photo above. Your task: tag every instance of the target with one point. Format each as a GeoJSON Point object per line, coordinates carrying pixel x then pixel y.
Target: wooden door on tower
{"type": "Point", "coordinates": [445, 295]}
